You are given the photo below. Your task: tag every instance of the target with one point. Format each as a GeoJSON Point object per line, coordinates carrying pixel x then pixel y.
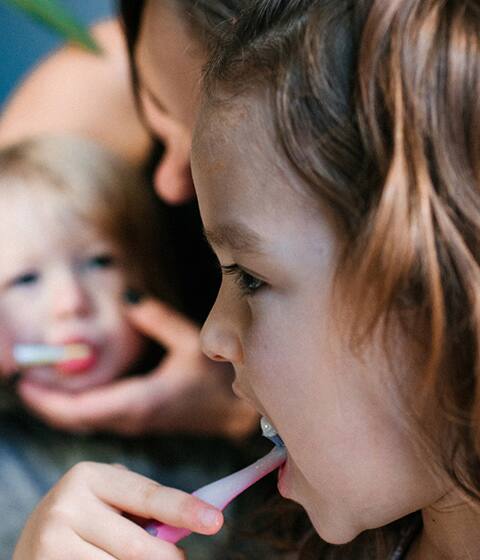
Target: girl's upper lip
{"type": "Point", "coordinates": [241, 395]}
{"type": "Point", "coordinates": [238, 391]}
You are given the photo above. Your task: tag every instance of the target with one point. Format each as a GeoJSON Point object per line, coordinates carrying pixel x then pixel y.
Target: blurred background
{"type": "Point", "coordinates": [23, 41]}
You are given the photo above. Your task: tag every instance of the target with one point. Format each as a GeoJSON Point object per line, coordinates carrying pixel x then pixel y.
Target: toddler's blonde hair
{"type": "Point", "coordinates": [104, 191]}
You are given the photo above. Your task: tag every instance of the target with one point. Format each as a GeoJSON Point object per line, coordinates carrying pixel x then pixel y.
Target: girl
{"type": "Point", "coordinates": [347, 228]}
{"type": "Point", "coordinates": [339, 189]}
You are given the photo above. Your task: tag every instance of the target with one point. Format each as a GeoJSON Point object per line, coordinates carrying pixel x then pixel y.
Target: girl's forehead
{"type": "Point", "coordinates": [233, 129]}
{"type": "Point", "coordinates": [235, 142]}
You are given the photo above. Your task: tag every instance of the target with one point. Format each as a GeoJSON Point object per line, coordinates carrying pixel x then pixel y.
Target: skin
{"type": "Point", "coordinates": [349, 451]}
{"type": "Point", "coordinates": [174, 388]}
{"type": "Point", "coordinates": [62, 520]}
{"type": "Point", "coordinates": [58, 97]}
{"type": "Point", "coordinates": [168, 61]}
{"type": "Point", "coordinates": [62, 283]}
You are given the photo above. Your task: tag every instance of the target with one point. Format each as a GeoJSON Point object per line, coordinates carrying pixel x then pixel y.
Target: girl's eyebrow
{"type": "Point", "coordinates": [234, 236]}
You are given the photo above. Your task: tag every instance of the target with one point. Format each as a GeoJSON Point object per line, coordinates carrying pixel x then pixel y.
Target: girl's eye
{"type": "Point", "coordinates": [248, 283]}
{"type": "Point", "coordinates": [26, 279]}
{"type": "Point", "coordinates": [100, 261]}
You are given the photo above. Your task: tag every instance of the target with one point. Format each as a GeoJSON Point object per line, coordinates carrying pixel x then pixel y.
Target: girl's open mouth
{"type": "Point", "coordinates": [78, 365]}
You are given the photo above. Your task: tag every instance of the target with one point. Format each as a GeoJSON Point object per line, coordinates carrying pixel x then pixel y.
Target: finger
{"type": "Point", "coordinates": [58, 409]}
{"type": "Point", "coordinates": [135, 494]}
{"type": "Point", "coordinates": [162, 323]}
{"type": "Point", "coordinates": [52, 542]}
{"type": "Point", "coordinates": [122, 539]}
{"type": "Point", "coordinates": [100, 408]}
{"type": "Point", "coordinates": [81, 549]}
{"type": "Point", "coordinates": [7, 362]}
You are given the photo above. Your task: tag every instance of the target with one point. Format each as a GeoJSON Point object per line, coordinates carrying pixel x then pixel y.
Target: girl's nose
{"type": "Point", "coordinates": [219, 338]}
{"type": "Point", "coordinates": [69, 298]}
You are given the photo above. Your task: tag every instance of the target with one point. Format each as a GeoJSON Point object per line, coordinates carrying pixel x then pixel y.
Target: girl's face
{"type": "Point", "coordinates": [60, 283]}
{"type": "Point", "coordinates": [350, 463]}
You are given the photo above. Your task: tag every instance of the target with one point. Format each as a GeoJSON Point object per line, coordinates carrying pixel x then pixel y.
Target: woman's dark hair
{"type": "Point", "coordinates": [376, 106]}
{"type": "Point", "coordinates": [206, 17]}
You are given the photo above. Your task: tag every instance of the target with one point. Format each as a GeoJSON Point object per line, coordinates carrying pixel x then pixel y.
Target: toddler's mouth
{"type": "Point", "coordinates": [83, 356]}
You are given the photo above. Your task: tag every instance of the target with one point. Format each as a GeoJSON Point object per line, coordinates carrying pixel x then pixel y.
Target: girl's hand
{"type": "Point", "coordinates": [81, 517]}
{"type": "Point", "coordinates": [187, 392]}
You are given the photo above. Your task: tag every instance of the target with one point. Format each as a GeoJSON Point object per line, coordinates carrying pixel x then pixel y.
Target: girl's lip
{"type": "Point", "coordinates": [79, 366]}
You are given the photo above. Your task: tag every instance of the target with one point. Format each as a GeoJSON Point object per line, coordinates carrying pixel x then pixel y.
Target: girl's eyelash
{"type": "Point", "coordinates": [247, 283]}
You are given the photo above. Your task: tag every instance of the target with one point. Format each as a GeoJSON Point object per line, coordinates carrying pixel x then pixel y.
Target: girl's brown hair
{"type": "Point", "coordinates": [104, 191]}
{"type": "Point", "coordinates": [377, 107]}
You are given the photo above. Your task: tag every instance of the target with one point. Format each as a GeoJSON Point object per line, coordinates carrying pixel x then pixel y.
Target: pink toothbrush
{"type": "Point", "coordinates": [221, 492]}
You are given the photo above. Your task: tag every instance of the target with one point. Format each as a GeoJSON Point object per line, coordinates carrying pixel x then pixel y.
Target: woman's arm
{"type": "Point", "coordinates": [75, 91]}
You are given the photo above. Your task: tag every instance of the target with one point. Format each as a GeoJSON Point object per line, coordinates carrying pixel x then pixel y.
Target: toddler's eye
{"type": "Point", "coordinates": [25, 279]}
{"type": "Point", "coordinates": [248, 283]}
{"type": "Point", "coordinates": [100, 261]}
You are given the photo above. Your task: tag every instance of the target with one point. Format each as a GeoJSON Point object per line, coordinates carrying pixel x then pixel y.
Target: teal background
{"type": "Point", "coordinates": [23, 42]}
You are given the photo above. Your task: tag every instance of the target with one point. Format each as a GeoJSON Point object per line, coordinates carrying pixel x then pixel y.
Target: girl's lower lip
{"type": "Point", "coordinates": [282, 479]}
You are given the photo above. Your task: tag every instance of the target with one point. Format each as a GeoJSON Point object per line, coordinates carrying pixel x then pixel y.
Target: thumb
{"type": "Point", "coordinates": [164, 324]}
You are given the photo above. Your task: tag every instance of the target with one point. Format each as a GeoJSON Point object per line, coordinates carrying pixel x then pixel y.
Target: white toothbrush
{"type": "Point", "coordinates": [45, 354]}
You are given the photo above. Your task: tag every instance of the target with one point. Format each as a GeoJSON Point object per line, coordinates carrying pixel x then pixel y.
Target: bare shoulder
{"type": "Point", "coordinates": [75, 91]}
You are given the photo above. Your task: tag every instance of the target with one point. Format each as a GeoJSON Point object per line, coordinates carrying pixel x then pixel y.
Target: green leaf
{"type": "Point", "coordinates": [52, 14]}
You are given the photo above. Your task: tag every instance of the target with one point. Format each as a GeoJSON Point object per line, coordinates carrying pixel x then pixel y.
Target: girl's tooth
{"type": "Point", "coordinates": [270, 432]}
{"type": "Point", "coordinates": [267, 429]}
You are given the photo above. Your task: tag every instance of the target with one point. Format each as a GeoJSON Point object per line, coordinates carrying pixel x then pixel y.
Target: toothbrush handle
{"type": "Point", "coordinates": [221, 492]}
{"type": "Point", "coordinates": [167, 532]}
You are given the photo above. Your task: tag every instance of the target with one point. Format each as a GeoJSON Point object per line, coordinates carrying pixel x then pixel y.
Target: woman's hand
{"type": "Point", "coordinates": [8, 367]}
{"type": "Point", "coordinates": [81, 517]}
{"type": "Point", "coordinates": [187, 392]}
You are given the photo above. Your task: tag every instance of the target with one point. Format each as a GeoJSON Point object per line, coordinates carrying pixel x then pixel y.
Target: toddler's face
{"type": "Point", "coordinates": [61, 282]}
{"type": "Point", "coordinates": [351, 463]}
